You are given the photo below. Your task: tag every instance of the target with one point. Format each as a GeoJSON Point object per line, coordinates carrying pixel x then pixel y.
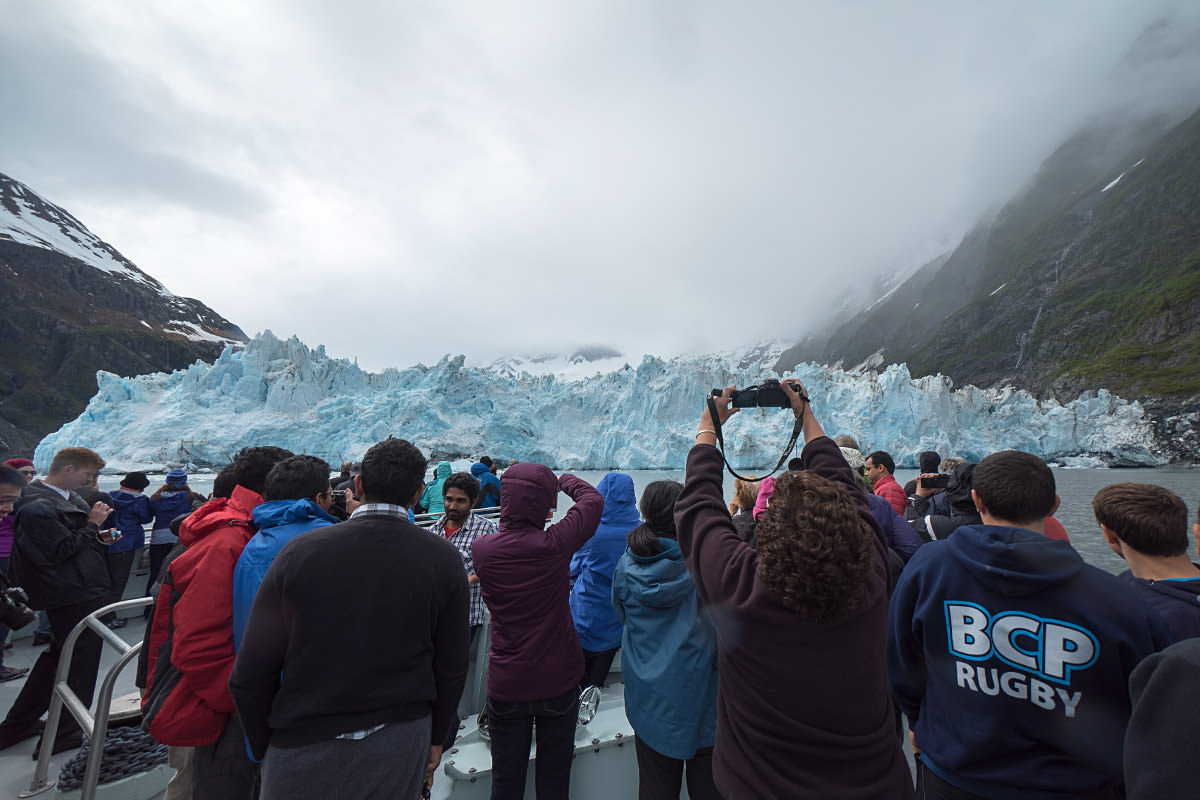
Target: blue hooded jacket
{"type": "Point", "coordinates": [130, 512]}
{"type": "Point", "coordinates": [489, 486]}
{"type": "Point", "coordinates": [278, 522]}
{"type": "Point", "coordinates": [668, 653]}
{"type": "Point", "coordinates": [169, 505]}
{"type": "Point", "coordinates": [595, 618]}
{"type": "Point", "coordinates": [431, 499]}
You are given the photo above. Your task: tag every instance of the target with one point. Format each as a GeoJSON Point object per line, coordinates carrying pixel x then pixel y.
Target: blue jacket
{"type": "Point", "coordinates": [169, 505]}
{"type": "Point", "coordinates": [1177, 600]}
{"type": "Point", "coordinates": [489, 486]}
{"type": "Point", "coordinates": [668, 653]}
{"type": "Point", "coordinates": [1011, 658]}
{"type": "Point", "coordinates": [431, 499]}
{"type": "Point", "coordinates": [897, 532]}
{"type": "Point", "coordinates": [593, 564]}
{"type": "Point", "coordinates": [278, 522]}
{"type": "Point", "coordinates": [130, 512]}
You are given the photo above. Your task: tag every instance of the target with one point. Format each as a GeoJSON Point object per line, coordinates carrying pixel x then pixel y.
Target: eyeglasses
{"type": "Point", "coordinates": [28, 472]}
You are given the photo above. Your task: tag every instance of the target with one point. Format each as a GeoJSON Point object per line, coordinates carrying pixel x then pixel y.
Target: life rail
{"type": "Point", "coordinates": [425, 520]}
{"type": "Point", "coordinates": [95, 727]}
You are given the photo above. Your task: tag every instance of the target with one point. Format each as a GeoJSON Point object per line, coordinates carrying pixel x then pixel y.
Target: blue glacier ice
{"type": "Point", "coordinates": [281, 392]}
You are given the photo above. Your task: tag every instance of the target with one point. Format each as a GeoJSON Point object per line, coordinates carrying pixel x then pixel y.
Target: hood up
{"type": "Point", "coordinates": [526, 496]}
{"type": "Point", "coordinates": [478, 469]}
{"type": "Point", "coordinates": [443, 470]}
{"type": "Point", "coordinates": [958, 491]}
{"type": "Point", "coordinates": [1013, 562]}
{"type": "Point", "coordinates": [620, 501]}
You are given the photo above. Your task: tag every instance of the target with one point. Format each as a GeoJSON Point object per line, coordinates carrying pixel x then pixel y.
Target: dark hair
{"type": "Point", "coordinates": [224, 482]}
{"type": "Point", "coordinates": [251, 465]}
{"type": "Point", "coordinates": [815, 552]}
{"type": "Point", "coordinates": [392, 471]}
{"type": "Point", "coordinates": [297, 478]}
{"type": "Point", "coordinates": [12, 476]}
{"type": "Point", "coordinates": [929, 461]}
{"type": "Point", "coordinates": [464, 481]}
{"type": "Point", "coordinates": [795, 464]}
{"type": "Point", "coordinates": [485, 460]}
{"type": "Point", "coordinates": [1014, 486]}
{"type": "Point", "coordinates": [884, 460]}
{"type": "Point", "coordinates": [658, 509]}
{"type": "Point", "coordinates": [1148, 518]}
{"type": "Point", "coordinates": [135, 480]}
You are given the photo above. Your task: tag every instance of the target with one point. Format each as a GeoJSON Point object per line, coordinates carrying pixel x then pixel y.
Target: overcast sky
{"type": "Point", "coordinates": [401, 180]}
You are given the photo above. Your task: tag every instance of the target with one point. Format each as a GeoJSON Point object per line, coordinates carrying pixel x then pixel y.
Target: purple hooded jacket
{"type": "Point", "coordinates": [523, 573]}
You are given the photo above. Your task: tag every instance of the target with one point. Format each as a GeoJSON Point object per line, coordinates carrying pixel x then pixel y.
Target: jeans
{"type": "Point", "coordinates": [511, 726]}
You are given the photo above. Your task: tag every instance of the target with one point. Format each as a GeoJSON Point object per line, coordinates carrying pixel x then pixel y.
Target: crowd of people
{"type": "Point", "coordinates": [307, 639]}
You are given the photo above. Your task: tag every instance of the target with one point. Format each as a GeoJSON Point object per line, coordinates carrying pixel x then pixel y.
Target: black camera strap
{"type": "Point", "coordinates": [716, 421]}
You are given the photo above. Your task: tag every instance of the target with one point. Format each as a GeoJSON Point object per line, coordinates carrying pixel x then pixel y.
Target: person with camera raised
{"type": "Point", "coordinates": [802, 704]}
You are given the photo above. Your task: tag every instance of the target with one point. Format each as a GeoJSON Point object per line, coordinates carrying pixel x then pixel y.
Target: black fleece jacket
{"type": "Point", "coordinates": [56, 556]}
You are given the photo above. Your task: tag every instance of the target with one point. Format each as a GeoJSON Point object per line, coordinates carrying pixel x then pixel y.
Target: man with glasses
{"type": "Point", "coordinates": [58, 557]}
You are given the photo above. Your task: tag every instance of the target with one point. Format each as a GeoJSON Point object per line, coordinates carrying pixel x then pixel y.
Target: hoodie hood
{"type": "Point", "coordinates": [478, 469]}
{"type": "Point", "coordinates": [443, 470]}
{"type": "Point", "coordinates": [1013, 562]}
{"type": "Point", "coordinates": [219, 512]}
{"type": "Point", "coordinates": [274, 513]}
{"type": "Point", "coordinates": [929, 461]}
{"type": "Point", "coordinates": [958, 491]}
{"type": "Point", "coordinates": [620, 502]}
{"type": "Point", "coordinates": [660, 580]}
{"type": "Point", "coordinates": [526, 496]}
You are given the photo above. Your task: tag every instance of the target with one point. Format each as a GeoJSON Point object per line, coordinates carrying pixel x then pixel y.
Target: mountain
{"type": "Point", "coordinates": [1089, 278]}
{"type": "Point", "coordinates": [74, 305]}
{"type": "Point", "coordinates": [281, 392]}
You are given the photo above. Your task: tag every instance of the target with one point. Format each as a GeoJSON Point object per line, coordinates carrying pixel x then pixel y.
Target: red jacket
{"type": "Point", "coordinates": [887, 488]}
{"type": "Point", "coordinates": [188, 702]}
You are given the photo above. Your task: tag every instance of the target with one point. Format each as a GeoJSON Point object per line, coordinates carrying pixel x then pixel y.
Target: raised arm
{"type": "Point", "coordinates": [581, 521]}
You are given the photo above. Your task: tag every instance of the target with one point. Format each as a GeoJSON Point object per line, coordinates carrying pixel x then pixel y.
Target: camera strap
{"type": "Point", "coordinates": [716, 421]}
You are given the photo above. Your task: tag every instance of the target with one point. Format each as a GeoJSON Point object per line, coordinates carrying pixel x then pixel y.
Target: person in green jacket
{"type": "Point", "coordinates": [431, 498]}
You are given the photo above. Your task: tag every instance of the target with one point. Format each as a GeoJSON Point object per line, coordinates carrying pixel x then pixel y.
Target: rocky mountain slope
{"type": "Point", "coordinates": [73, 305]}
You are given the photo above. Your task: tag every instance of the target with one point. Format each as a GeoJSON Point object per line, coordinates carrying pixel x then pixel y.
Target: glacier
{"type": "Point", "coordinates": [281, 392]}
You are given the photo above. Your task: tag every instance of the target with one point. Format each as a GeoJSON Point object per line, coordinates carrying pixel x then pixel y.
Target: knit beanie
{"type": "Point", "coordinates": [17, 463]}
{"type": "Point", "coordinates": [176, 477]}
{"type": "Point", "coordinates": [135, 480]}
{"type": "Point", "coordinates": [854, 458]}
{"type": "Point", "coordinates": [929, 461]}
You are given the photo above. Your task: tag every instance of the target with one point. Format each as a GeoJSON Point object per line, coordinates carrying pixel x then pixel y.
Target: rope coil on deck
{"type": "Point", "coordinates": [128, 751]}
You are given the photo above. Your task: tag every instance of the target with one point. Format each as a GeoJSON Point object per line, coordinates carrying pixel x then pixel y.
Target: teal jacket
{"type": "Point", "coordinates": [431, 499]}
{"type": "Point", "coordinates": [668, 653]}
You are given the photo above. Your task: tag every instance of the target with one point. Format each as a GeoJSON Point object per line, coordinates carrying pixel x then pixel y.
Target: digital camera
{"type": "Point", "coordinates": [768, 394]}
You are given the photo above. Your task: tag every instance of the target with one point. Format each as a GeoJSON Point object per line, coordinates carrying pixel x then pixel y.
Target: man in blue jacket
{"type": "Point", "coordinates": [297, 501]}
{"type": "Point", "coordinates": [1010, 655]}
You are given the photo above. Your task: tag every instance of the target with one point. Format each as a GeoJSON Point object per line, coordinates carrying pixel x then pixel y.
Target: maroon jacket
{"type": "Point", "coordinates": [523, 573]}
{"type": "Point", "coordinates": [802, 707]}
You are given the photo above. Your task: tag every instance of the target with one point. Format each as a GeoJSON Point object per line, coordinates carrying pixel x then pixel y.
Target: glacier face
{"type": "Point", "coordinates": [281, 392]}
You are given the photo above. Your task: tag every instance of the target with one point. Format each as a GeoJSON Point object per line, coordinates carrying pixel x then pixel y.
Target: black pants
{"type": "Point", "coordinates": [158, 554]}
{"type": "Point", "coordinates": [511, 726]}
{"type": "Point", "coordinates": [119, 565]}
{"type": "Point", "coordinates": [661, 777]}
{"type": "Point", "coordinates": [34, 699]}
{"type": "Point", "coordinates": [224, 771]}
{"type": "Point", "coordinates": [596, 664]}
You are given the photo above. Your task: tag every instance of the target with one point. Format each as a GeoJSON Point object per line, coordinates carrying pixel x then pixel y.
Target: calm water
{"type": "Point", "coordinates": [1075, 486]}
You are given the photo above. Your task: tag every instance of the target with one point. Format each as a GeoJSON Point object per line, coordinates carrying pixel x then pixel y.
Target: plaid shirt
{"type": "Point", "coordinates": [464, 538]}
{"type": "Point", "coordinates": [380, 510]}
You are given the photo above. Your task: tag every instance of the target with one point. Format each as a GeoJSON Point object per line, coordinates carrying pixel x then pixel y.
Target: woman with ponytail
{"type": "Point", "coordinates": [668, 656]}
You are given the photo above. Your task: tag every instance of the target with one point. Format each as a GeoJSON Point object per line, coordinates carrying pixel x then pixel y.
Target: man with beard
{"type": "Point", "coordinates": [461, 527]}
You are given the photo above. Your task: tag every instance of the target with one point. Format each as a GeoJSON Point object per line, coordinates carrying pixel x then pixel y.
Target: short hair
{"type": "Point", "coordinates": [949, 463]}
{"type": "Point", "coordinates": [746, 492]}
{"type": "Point", "coordinates": [847, 441]}
{"type": "Point", "coordinates": [297, 478]}
{"type": "Point", "coordinates": [224, 482]}
{"type": "Point", "coordinates": [463, 481]}
{"type": "Point", "coordinates": [795, 464]}
{"type": "Point", "coordinates": [251, 465]}
{"type": "Point", "coordinates": [658, 509]}
{"type": "Point", "coordinates": [884, 460]}
{"type": "Point", "coordinates": [78, 457]}
{"type": "Point", "coordinates": [485, 460]}
{"type": "Point", "coordinates": [12, 476]}
{"type": "Point", "coordinates": [816, 552]}
{"type": "Point", "coordinates": [1148, 518]}
{"type": "Point", "coordinates": [1014, 486]}
{"type": "Point", "coordinates": [392, 471]}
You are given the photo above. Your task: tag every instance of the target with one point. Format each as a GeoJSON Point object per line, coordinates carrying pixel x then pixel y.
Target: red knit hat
{"type": "Point", "coordinates": [17, 463]}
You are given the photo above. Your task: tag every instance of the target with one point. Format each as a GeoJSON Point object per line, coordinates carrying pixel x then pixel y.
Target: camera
{"type": "Point", "coordinates": [13, 609]}
{"type": "Point", "coordinates": [768, 394]}
{"type": "Point", "coordinates": [935, 482]}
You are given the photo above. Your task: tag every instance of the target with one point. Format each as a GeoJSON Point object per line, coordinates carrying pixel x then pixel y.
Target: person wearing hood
{"type": "Point", "coordinates": [187, 701]}
{"type": "Point", "coordinates": [170, 500]}
{"type": "Point", "coordinates": [297, 497]}
{"type": "Point", "coordinates": [489, 485]}
{"type": "Point", "coordinates": [535, 659]}
{"type": "Point", "coordinates": [1010, 655]}
{"type": "Point", "coordinates": [1147, 526]}
{"type": "Point", "coordinates": [131, 511]}
{"type": "Point", "coordinates": [927, 462]}
{"type": "Point", "coordinates": [592, 565]}
{"type": "Point", "coordinates": [669, 659]}
{"type": "Point", "coordinates": [431, 498]}
{"type": "Point", "coordinates": [956, 500]}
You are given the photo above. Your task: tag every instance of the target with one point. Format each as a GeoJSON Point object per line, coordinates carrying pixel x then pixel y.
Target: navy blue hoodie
{"type": "Point", "coordinates": [1011, 658]}
{"type": "Point", "coordinates": [1176, 600]}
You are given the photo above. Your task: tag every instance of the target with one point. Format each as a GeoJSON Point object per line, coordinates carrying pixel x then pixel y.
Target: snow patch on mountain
{"type": "Point", "coordinates": [281, 392]}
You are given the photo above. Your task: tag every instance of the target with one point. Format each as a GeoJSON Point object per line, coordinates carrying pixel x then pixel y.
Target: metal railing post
{"type": "Point", "coordinates": [95, 727]}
